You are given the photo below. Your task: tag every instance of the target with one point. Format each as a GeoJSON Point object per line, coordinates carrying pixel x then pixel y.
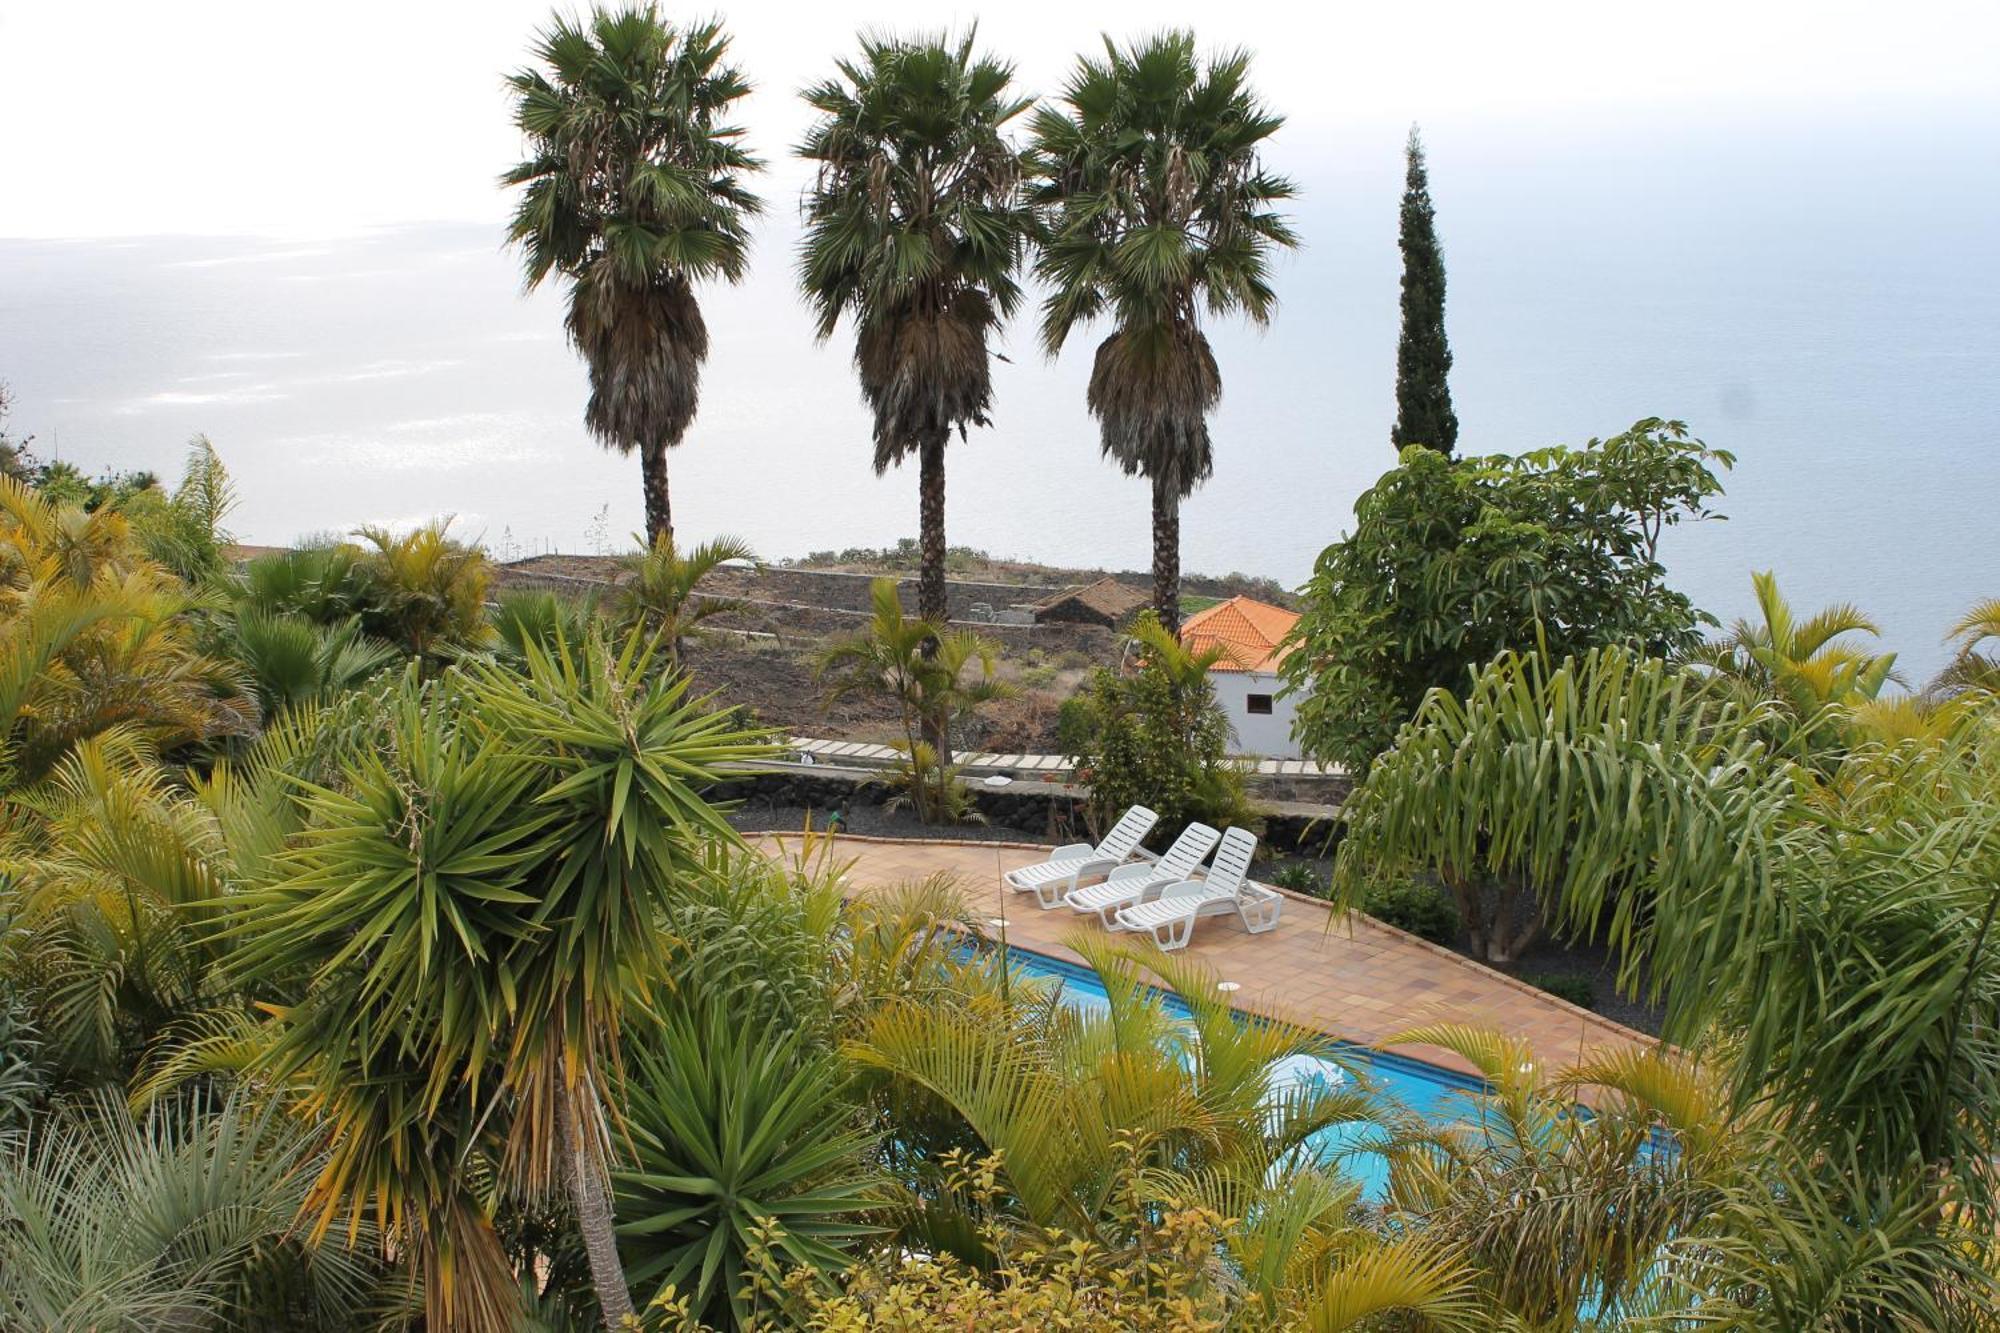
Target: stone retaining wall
{"type": "Point", "coordinates": [1045, 811]}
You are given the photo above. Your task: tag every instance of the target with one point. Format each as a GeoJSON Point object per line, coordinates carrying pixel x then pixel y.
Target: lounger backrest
{"type": "Point", "coordinates": [1232, 860]}
{"type": "Point", "coordinates": [1126, 834]}
{"type": "Point", "coordinates": [1188, 852]}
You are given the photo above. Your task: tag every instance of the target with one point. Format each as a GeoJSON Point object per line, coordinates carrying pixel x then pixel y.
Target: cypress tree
{"type": "Point", "coordinates": [1423, 356]}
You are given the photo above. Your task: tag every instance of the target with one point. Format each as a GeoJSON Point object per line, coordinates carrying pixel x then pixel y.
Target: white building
{"type": "Point", "coordinates": [1247, 682]}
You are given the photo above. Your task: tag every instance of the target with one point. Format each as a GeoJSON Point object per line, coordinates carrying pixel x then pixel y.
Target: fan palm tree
{"type": "Point", "coordinates": [1153, 206]}
{"type": "Point", "coordinates": [915, 229]}
{"type": "Point", "coordinates": [658, 592]}
{"type": "Point", "coordinates": [634, 193]}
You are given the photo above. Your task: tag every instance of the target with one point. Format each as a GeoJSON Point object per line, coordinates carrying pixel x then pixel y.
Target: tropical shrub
{"type": "Point", "coordinates": [183, 531]}
{"type": "Point", "coordinates": [1158, 737]}
{"type": "Point", "coordinates": [923, 667]}
{"type": "Point", "coordinates": [1580, 991]}
{"type": "Point", "coordinates": [1453, 560]}
{"type": "Point", "coordinates": [1424, 910]}
{"type": "Point", "coordinates": [424, 591]}
{"type": "Point", "coordinates": [1299, 878]}
{"type": "Point", "coordinates": [184, 1218]}
{"type": "Point", "coordinates": [659, 590]}
{"type": "Point", "coordinates": [1829, 924]}
{"type": "Point", "coordinates": [746, 1138]}
{"type": "Point", "coordinates": [94, 635]}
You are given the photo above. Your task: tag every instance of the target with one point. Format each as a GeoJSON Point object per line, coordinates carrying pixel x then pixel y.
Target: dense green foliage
{"type": "Point", "coordinates": [632, 192]}
{"type": "Point", "coordinates": [1824, 924]}
{"type": "Point", "coordinates": [1153, 206]}
{"type": "Point", "coordinates": [1424, 910]}
{"type": "Point", "coordinates": [1452, 560]}
{"type": "Point", "coordinates": [915, 231]}
{"type": "Point", "coordinates": [1157, 737]}
{"type": "Point", "coordinates": [1423, 352]}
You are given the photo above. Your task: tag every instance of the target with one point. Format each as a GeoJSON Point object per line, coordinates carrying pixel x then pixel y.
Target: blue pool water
{"type": "Point", "coordinates": [1437, 1094]}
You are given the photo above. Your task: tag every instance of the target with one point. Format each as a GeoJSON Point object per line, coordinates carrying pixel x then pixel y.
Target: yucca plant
{"type": "Point", "coordinates": [738, 1126]}
{"type": "Point", "coordinates": [465, 925]}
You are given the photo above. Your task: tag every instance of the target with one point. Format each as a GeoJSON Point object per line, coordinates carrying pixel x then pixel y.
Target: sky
{"type": "Point", "coordinates": [279, 224]}
{"type": "Point", "coordinates": [133, 117]}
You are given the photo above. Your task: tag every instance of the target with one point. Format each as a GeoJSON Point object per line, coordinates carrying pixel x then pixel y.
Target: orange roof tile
{"type": "Point", "coordinates": [1248, 631]}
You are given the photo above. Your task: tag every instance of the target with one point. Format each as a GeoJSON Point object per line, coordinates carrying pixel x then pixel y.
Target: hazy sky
{"type": "Point", "coordinates": [130, 117]}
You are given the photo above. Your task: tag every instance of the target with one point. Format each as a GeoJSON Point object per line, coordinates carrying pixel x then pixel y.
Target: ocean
{"type": "Point", "coordinates": [1822, 306]}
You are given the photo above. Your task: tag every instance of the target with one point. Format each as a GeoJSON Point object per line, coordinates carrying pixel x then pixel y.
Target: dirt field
{"type": "Point", "coordinates": [762, 656]}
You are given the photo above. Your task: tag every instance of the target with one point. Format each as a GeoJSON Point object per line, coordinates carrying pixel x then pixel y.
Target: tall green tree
{"type": "Point", "coordinates": [915, 230]}
{"type": "Point", "coordinates": [1152, 205]}
{"type": "Point", "coordinates": [1423, 353]}
{"type": "Point", "coordinates": [634, 193]}
{"type": "Point", "coordinates": [1453, 560]}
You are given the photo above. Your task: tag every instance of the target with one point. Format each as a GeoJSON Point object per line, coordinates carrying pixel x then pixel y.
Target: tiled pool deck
{"type": "Point", "coordinates": [1350, 976]}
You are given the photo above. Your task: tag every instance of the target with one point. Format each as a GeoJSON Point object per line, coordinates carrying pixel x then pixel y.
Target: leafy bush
{"type": "Point", "coordinates": [1076, 725]}
{"type": "Point", "coordinates": [1578, 990]}
{"type": "Point", "coordinates": [1452, 561]}
{"type": "Point", "coordinates": [1159, 738]}
{"type": "Point", "coordinates": [1299, 878]}
{"type": "Point", "coordinates": [1424, 910]}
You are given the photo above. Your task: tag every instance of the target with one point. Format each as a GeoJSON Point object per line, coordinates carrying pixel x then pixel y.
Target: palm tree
{"type": "Point", "coordinates": [1092, 1122]}
{"type": "Point", "coordinates": [1152, 204]}
{"type": "Point", "coordinates": [915, 230]}
{"type": "Point", "coordinates": [634, 193]}
{"type": "Point", "coordinates": [1973, 666]}
{"type": "Point", "coordinates": [921, 665]}
{"type": "Point", "coordinates": [658, 593]}
{"type": "Point", "coordinates": [1801, 663]}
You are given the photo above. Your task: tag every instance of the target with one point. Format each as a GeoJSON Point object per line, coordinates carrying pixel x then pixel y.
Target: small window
{"type": "Point", "coordinates": [1258, 703]}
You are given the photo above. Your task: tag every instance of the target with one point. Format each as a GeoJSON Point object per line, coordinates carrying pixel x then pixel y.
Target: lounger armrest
{"type": "Point", "coordinates": [1073, 851]}
{"type": "Point", "coordinates": [1182, 888]}
{"type": "Point", "coordinates": [1133, 870]}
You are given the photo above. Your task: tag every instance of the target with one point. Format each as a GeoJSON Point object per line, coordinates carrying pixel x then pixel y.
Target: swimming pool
{"type": "Point", "coordinates": [1436, 1094]}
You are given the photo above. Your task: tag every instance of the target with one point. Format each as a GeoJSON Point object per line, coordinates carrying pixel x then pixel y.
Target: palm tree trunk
{"type": "Point", "coordinates": [590, 1201]}
{"type": "Point", "coordinates": [1167, 555]}
{"type": "Point", "coordinates": [653, 477]}
{"type": "Point", "coordinates": [933, 601]}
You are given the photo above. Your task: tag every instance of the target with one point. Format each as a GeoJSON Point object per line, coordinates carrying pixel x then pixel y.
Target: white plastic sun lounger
{"type": "Point", "coordinates": [1170, 917]}
{"type": "Point", "coordinates": [1129, 884]}
{"type": "Point", "coordinates": [1049, 880]}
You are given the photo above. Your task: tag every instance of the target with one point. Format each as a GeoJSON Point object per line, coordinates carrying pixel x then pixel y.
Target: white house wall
{"type": "Point", "coordinates": [1267, 736]}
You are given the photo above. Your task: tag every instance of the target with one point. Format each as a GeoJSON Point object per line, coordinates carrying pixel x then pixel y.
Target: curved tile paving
{"type": "Point", "coordinates": [1351, 976]}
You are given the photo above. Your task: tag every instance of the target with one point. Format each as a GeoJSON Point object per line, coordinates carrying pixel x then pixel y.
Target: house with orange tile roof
{"type": "Point", "coordinates": [1251, 635]}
